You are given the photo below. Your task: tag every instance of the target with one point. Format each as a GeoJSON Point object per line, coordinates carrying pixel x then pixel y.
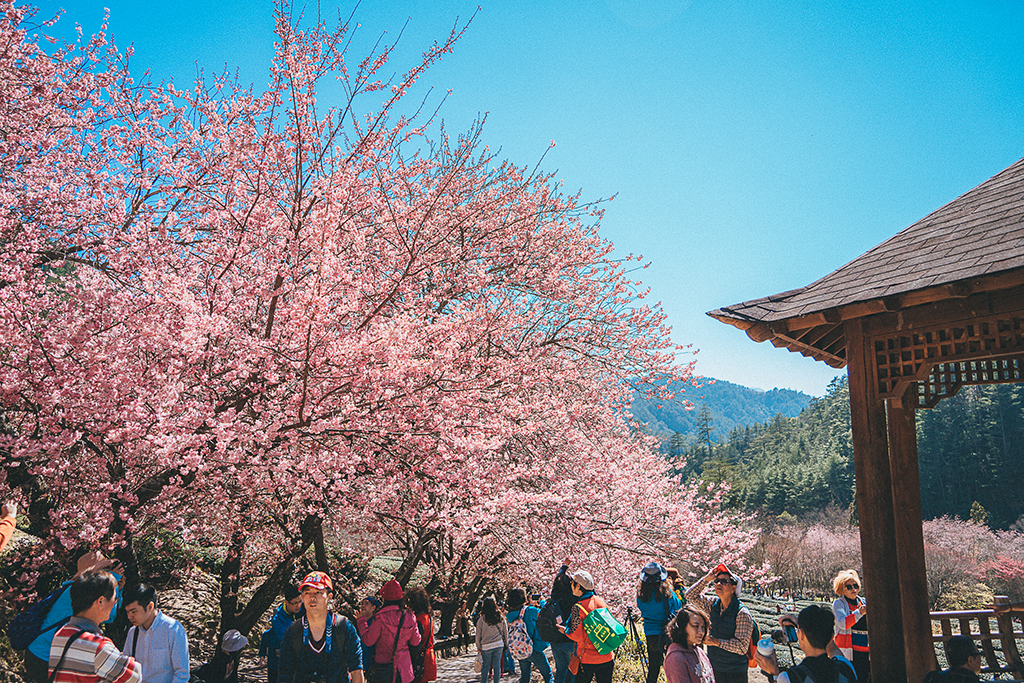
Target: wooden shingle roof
{"type": "Point", "coordinates": [973, 244]}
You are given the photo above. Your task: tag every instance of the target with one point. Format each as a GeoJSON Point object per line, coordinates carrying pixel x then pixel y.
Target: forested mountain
{"type": "Point", "coordinates": [970, 447]}
{"type": "Point", "coordinates": [727, 405]}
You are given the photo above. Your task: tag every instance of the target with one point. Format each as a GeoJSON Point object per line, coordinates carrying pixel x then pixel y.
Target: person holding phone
{"type": "Point", "coordinates": [851, 629]}
{"type": "Point", "coordinates": [822, 659]}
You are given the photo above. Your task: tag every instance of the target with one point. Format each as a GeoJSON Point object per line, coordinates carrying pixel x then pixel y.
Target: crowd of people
{"type": "Point", "coordinates": [691, 635]}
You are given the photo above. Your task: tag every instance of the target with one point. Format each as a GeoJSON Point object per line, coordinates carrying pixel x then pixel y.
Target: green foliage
{"type": "Point", "coordinates": [163, 557]}
{"type": "Point", "coordinates": [970, 448]}
{"type": "Point", "coordinates": [729, 406]}
{"type": "Point", "coordinates": [964, 596]}
{"type": "Point", "coordinates": [978, 514]}
{"type": "Point", "coordinates": [791, 465]}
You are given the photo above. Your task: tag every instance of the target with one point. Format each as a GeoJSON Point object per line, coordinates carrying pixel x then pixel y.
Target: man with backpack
{"type": "Point", "coordinates": [33, 630]}
{"type": "Point", "coordinates": [155, 640]}
{"type": "Point", "coordinates": [270, 641]}
{"type": "Point", "coordinates": [79, 652]}
{"type": "Point", "coordinates": [823, 661]}
{"type": "Point", "coordinates": [587, 664]}
{"type": "Point", "coordinates": [321, 647]}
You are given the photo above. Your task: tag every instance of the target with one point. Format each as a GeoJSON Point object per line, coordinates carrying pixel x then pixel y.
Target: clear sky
{"type": "Point", "coordinates": [753, 147]}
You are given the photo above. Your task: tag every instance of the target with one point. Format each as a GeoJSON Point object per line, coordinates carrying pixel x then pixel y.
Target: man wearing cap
{"type": "Point", "coordinates": [321, 647]}
{"type": "Point", "coordinates": [657, 603]}
{"type": "Point", "coordinates": [270, 641]}
{"type": "Point", "coordinates": [964, 663]}
{"type": "Point", "coordinates": [587, 664]}
{"type": "Point", "coordinates": [731, 624]}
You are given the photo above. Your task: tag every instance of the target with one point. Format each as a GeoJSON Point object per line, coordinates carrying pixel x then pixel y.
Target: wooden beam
{"type": "Point", "coordinates": [876, 512]}
{"type": "Point", "coordinates": [906, 489]}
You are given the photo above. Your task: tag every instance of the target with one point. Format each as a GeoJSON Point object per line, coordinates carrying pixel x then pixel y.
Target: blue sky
{"type": "Point", "coordinates": [753, 147]}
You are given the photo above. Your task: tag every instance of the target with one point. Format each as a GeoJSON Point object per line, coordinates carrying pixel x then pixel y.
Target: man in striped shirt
{"type": "Point", "coordinates": [80, 653]}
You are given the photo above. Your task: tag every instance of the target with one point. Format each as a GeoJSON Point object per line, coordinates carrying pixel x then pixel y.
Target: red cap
{"type": "Point", "coordinates": [392, 590]}
{"type": "Point", "coordinates": [318, 581]}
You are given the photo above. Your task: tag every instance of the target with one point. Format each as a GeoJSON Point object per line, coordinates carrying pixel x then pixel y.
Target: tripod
{"type": "Point", "coordinates": [631, 629]}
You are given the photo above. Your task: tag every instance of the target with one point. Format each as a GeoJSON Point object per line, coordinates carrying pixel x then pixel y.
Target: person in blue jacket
{"type": "Point", "coordinates": [657, 603]}
{"type": "Point", "coordinates": [515, 606]}
{"type": "Point", "coordinates": [270, 642]}
{"type": "Point", "coordinates": [37, 656]}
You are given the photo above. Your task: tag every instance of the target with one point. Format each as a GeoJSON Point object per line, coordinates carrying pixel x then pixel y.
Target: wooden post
{"type": "Point", "coordinates": [906, 488]}
{"type": "Point", "coordinates": [875, 510]}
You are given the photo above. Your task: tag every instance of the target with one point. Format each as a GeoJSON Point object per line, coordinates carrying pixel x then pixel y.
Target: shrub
{"type": "Point", "coordinates": [965, 595]}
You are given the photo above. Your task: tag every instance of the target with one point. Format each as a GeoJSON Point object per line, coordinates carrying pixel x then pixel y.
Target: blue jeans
{"type": "Point", "coordinates": [492, 662]}
{"type": "Point", "coordinates": [563, 653]}
{"type": "Point", "coordinates": [538, 659]}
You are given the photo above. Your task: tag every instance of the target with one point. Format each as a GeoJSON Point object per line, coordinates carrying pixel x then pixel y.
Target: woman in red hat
{"type": "Point", "coordinates": [392, 632]}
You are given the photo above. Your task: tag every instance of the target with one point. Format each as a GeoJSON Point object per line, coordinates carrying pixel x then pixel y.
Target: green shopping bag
{"type": "Point", "coordinates": [604, 631]}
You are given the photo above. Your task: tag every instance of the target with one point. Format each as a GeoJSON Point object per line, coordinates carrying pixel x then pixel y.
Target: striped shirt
{"type": "Point", "coordinates": [91, 658]}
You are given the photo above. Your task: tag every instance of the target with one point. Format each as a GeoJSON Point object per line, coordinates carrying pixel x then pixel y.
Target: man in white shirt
{"type": "Point", "coordinates": [158, 642]}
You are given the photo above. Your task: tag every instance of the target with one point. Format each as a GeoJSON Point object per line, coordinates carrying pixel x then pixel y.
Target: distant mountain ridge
{"type": "Point", "coordinates": [729, 406]}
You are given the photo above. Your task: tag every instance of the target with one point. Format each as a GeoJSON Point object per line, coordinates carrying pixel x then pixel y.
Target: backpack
{"type": "Point", "coordinates": [801, 674]}
{"type": "Point", "coordinates": [419, 654]}
{"type": "Point", "coordinates": [755, 635]}
{"type": "Point", "coordinates": [604, 631]}
{"type": "Point", "coordinates": [547, 623]}
{"type": "Point", "coordinates": [28, 625]}
{"type": "Point", "coordinates": [520, 644]}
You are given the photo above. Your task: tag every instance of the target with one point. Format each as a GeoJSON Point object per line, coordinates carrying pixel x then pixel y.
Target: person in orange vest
{"type": "Point", "coordinates": [8, 517]}
{"type": "Point", "coordinates": [587, 664]}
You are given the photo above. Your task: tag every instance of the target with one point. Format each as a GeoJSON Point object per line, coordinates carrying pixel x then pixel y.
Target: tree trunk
{"type": "Point", "coordinates": [320, 549]}
{"type": "Point", "coordinates": [270, 589]}
{"type": "Point", "coordinates": [230, 578]}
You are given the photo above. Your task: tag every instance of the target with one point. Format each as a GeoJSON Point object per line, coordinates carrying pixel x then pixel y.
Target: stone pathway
{"type": "Point", "coordinates": [459, 669]}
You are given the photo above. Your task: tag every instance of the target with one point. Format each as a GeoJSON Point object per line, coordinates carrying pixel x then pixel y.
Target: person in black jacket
{"type": "Point", "coordinates": [964, 663]}
{"type": "Point", "coordinates": [558, 609]}
{"type": "Point", "coordinates": [321, 647]}
{"type": "Point", "coordinates": [223, 668]}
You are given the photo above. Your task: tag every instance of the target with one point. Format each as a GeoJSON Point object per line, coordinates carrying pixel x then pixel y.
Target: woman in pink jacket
{"type": "Point", "coordinates": [685, 661]}
{"type": "Point", "coordinates": [384, 627]}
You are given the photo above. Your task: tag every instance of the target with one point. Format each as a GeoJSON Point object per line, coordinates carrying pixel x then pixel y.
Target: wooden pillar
{"type": "Point", "coordinates": [906, 489]}
{"type": "Point", "coordinates": [875, 511]}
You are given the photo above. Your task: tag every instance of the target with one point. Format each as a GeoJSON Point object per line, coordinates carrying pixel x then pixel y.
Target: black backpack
{"type": "Point", "coordinates": [801, 674]}
{"type": "Point", "coordinates": [419, 654]}
{"type": "Point", "coordinates": [547, 623]}
{"type": "Point", "coordinates": [28, 625]}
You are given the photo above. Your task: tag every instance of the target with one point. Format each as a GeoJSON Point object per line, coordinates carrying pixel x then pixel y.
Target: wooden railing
{"type": "Point", "coordinates": [977, 624]}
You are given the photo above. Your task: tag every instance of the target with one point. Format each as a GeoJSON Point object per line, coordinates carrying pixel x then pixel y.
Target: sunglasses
{"type": "Point", "coordinates": [852, 587]}
{"type": "Point", "coordinates": [725, 582]}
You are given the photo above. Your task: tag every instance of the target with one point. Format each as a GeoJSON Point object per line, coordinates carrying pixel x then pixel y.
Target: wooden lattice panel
{"type": "Point", "coordinates": [911, 356]}
{"type": "Point", "coordinates": [945, 379]}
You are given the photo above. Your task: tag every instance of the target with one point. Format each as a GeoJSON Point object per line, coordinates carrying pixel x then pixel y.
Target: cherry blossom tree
{"type": "Point", "coordinates": [226, 312]}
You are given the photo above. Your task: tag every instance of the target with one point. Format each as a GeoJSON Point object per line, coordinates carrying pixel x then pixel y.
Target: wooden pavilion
{"type": "Point", "coordinates": [936, 307]}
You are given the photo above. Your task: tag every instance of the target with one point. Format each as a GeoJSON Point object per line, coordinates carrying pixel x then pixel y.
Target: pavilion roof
{"type": "Point", "coordinates": [972, 244]}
